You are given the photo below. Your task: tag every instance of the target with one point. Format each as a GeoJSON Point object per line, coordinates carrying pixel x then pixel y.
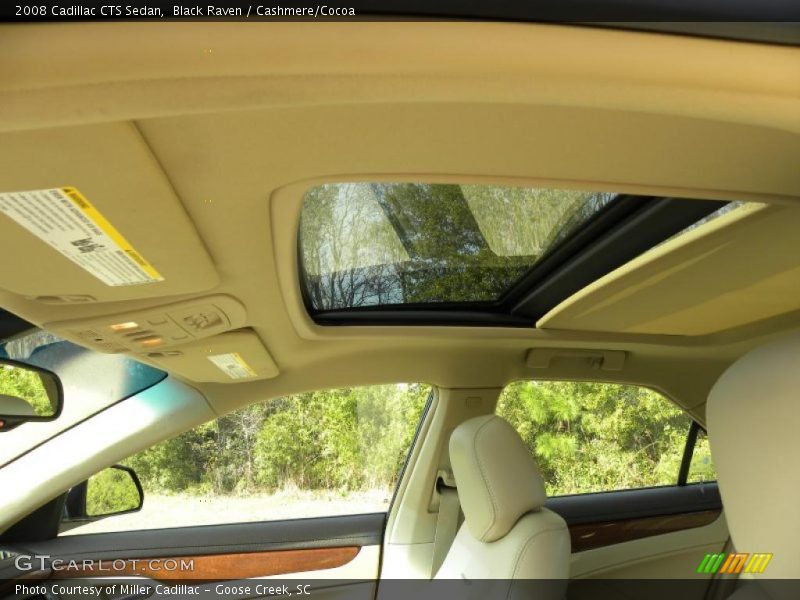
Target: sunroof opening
{"type": "Point", "coordinates": [382, 244]}
{"type": "Point", "coordinates": [375, 252]}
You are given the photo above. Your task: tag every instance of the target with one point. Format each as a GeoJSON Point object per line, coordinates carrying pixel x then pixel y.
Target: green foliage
{"type": "Point", "coordinates": [590, 437]}
{"type": "Point", "coordinates": [345, 439]}
{"type": "Point", "coordinates": [702, 466]}
{"type": "Point", "coordinates": [179, 463]}
{"type": "Point", "coordinates": [27, 385]}
{"type": "Point", "coordinates": [366, 244]}
{"type": "Point", "coordinates": [111, 491]}
{"type": "Point", "coordinates": [587, 437]}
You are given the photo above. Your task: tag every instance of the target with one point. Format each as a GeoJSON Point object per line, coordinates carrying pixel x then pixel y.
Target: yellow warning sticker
{"type": "Point", "coordinates": [68, 222]}
{"type": "Point", "coordinates": [233, 365]}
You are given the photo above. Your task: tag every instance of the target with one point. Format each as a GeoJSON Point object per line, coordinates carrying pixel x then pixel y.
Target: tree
{"type": "Point", "coordinates": [406, 243]}
{"type": "Point", "coordinates": [597, 436]}
{"type": "Point", "coordinates": [585, 436]}
{"type": "Point", "coordinates": [341, 440]}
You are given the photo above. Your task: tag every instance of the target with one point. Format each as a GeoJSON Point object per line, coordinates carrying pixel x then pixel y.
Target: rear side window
{"type": "Point", "coordinates": [701, 466]}
{"type": "Point", "coordinates": [597, 437]}
{"type": "Point", "coordinates": [324, 453]}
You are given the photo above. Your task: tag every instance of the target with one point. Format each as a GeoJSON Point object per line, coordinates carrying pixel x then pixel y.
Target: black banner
{"type": "Point", "coordinates": [509, 10]}
{"type": "Point", "coordinates": [396, 589]}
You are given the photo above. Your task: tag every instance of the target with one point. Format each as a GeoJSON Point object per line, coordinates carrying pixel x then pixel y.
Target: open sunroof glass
{"type": "Point", "coordinates": [368, 245]}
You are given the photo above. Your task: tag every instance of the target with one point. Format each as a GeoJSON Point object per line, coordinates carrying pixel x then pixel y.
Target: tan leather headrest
{"type": "Point", "coordinates": [11, 405]}
{"type": "Point", "coordinates": [497, 478]}
{"type": "Point", "coordinates": [754, 431]}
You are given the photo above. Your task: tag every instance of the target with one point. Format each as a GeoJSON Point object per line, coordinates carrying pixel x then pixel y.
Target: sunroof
{"type": "Point", "coordinates": [380, 248]}
{"type": "Point", "coordinates": [377, 244]}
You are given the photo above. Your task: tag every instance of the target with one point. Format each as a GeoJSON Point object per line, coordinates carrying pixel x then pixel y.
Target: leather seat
{"type": "Point", "coordinates": [507, 532]}
{"type": "Point", "coordinates": [753, 416]}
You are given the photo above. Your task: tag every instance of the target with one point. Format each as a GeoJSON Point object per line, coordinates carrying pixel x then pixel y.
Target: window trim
{"type": "Point", "coordinates": [423, 419]}
{"type": "Point", "coordinates": [688, 453]}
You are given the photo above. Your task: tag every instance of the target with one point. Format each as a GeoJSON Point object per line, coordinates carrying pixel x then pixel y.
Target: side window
{"type": "Point", "coordinates": [597, 437]}
{"type": "Point", "coordinates": [323, 453]}
{"type": "Point", "coordinates": [701, 466]}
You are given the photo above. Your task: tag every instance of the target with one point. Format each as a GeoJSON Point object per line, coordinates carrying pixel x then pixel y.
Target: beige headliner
{"type": "Point", "coordinates": [240, 118]}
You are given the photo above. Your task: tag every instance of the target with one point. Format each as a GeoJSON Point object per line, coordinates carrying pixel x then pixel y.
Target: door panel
{"type": "Point", "coordinates": [223, 567]}
{"type": "Point", "coordinates": [607, 533]}
{"type": "Point", "coordinates": [346, 549]}
{"type": "Point", "coordinates": [609, 518]}
{"type": "Point", "coordinates": [653, 533]}
{"type": "Point", "coordinates": [324, 532]}
{"type": "Point", "coordinates": [670, 559]}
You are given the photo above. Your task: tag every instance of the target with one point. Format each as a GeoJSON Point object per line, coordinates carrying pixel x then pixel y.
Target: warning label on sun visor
{"type": "Point", "coordinates": [68, 222]}
{"type": "Point", "coordinates": [233, 365]}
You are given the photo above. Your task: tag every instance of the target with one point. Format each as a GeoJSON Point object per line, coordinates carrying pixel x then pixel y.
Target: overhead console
{"type": "Point", "coordinates": [201, 340]}
{"type": "Point", "coordinates": [156, 330]}
{"type": "Point", "coordinates": [91, 207]}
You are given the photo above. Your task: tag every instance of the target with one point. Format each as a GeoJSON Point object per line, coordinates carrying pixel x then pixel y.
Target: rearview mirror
{"type": "Point", "coordinates": [27, 393]}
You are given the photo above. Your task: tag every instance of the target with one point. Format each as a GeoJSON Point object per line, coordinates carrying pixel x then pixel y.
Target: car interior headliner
{"type": "Point", "coordinates": [198, 142]}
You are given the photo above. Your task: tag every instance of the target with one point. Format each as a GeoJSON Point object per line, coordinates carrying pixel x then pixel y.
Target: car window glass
{"type": "Point", "coordinates": [594, 437]}
{"type": "Point", "coordinates": [323, 453]}
{"type": "Point", "coordinates": [701, 467]}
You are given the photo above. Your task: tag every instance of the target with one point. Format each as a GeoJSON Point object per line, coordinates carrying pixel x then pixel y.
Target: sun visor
{"type": "Point", "coordinates": [92, 209]}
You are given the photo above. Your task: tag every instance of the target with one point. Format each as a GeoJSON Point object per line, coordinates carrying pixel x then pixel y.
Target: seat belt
{"type": "Point", "coordinates": [448, 520]}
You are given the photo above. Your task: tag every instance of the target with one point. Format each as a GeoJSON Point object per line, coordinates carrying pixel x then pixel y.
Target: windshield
{"type": "Point", "coordinates": [91, 381]}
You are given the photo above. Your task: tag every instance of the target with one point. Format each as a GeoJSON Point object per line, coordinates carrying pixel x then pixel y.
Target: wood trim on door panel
{"type": "Point", "coordinates": [214, 567]}
{"type": "Point", "coordinates": [587, 536]}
